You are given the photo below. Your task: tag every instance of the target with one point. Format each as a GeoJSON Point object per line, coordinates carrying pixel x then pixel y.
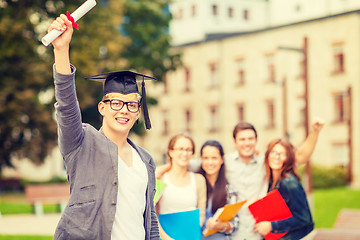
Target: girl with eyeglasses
{"type": "Point", "coordinates": [184, 190]}
{"type": "Point", "coordinates": [282, 175]}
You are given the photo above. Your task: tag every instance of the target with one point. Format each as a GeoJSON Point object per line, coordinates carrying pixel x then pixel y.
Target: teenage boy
{"type": "Point", "coordinates": [112, 181]}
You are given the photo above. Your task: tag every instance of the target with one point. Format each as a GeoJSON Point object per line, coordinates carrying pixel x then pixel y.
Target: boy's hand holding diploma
{"type": "Point", "coordinates": [54, 32]}
{"type": "Point", "coordinates": [61, 44]}
{"type": "Point", "coordinates": [60, 33]}
{"type": "Point", "coordinates": [65, 26]}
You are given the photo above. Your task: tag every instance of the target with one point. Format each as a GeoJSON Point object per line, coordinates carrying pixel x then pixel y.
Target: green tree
{"type": "Point", "coordinates": [146, 28]}
{"type": "Point", "coordinates": [103, 43]}
{"type": "Point", "coordinates": [26, 126]}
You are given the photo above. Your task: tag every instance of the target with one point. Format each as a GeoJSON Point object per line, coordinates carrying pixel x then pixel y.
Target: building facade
{"type": "Point", "coordinates": [246, 60]}
{"type": "Point", "coordinates": [260, 77]}
{"type": "Point", "coordinates": [198, 20]}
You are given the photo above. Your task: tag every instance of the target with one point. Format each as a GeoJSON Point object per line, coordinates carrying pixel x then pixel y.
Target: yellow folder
{"type": "Point", "coordinates": [225, 214]}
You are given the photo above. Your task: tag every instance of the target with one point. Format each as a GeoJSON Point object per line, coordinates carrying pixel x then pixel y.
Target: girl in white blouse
{"type": "Point", "coordinates": [184, 190]}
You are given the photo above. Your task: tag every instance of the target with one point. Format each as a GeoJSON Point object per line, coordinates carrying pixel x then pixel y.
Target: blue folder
{"type": "Point", "coordinates": [182, 225]}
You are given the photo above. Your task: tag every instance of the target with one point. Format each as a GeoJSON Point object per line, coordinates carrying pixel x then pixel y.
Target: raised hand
{"type": "Point", "coordinates": [317, 124]}
{"type": "Point", "coordinates": [61, 23]}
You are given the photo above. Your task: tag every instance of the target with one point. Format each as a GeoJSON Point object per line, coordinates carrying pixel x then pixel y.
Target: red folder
{"type": "Point", "coordinates": [272, 207]}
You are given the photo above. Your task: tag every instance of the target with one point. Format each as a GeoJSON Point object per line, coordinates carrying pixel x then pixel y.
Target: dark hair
{"type": "Point", "coordinates": [243, 126]}
{"type": "Point", "coordinates": [218, 192]}
{"type": "Point", "coordinates": [173, 141]}
{"type": "Point", "coordinates": [289, 164]}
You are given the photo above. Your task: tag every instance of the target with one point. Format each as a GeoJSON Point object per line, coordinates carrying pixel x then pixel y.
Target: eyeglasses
{"type": "Point", "coordinates": [117, 105]}
{"type": "Point", "coordinates": [281, 155]}
{"type": "Point", "coordinates": [184, 150]}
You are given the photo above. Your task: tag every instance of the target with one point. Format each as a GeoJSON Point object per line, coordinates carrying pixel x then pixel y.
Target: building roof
{"type": "Point", "coordinates": [221, 36]}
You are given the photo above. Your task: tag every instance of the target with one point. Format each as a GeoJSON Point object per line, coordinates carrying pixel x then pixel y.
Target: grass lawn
{"type": "Point", "coordinates": [17, 204]}
{"type": "Point", "coordinates": [326, 204]}
{"type": "Point", "coordinates": [329, 202]}
{"type": "Point", "coordinates": [24, 208]}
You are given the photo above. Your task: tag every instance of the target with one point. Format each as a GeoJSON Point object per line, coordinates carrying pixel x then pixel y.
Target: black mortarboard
{"type": "Point", "coordinates": [124, 82]}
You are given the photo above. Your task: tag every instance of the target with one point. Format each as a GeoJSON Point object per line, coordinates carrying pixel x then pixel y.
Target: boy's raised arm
{"type": "Point", "coordinates": [62, 43]}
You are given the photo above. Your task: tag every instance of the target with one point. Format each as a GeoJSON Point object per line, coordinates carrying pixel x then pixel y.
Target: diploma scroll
{"type": "Point", "coordinates": [77, 14]}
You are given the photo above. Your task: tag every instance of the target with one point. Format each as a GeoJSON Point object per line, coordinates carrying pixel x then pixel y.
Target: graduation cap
{"type": "Point", "coordinates": [124, 82]}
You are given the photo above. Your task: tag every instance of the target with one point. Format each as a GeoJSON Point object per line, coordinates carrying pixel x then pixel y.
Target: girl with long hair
{"type": "Point", "coordinates": [282, 175]}
{"type": "Point", "coordinates": [219, 193]}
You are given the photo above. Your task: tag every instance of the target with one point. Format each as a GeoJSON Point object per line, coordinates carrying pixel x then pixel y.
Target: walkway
{"type": "Point", "coordinates": [347, 227]}
{"type": "Point", "coordinates": [29, 224]}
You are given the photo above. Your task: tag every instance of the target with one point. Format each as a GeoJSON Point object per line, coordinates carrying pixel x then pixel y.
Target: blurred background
{"type": "Point", "coordinates": [277, 64]}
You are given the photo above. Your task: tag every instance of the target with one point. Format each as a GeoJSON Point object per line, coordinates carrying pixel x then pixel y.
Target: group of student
{"type": "Point", "coordinates": [112, 180]}
{"type": "Point", "coordinates": [238, 176]}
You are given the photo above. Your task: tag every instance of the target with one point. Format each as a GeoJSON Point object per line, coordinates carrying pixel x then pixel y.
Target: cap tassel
{"type": "Point", "coordinates": [144, 105]}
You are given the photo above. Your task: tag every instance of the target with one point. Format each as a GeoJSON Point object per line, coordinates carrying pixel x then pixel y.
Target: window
{"type": "Point", "coordinates": [187, 120]}
{"type": "Point", "coordinates": [231, 12]}
{"type": "Point", "coordinates": [213, 119]}
{"type": "Point", "coordinates": [165, 84]}
{"type": "Point", "coordinates": [270, 62]}
{"type": "Point", "coordinates": [187, 79]}
{"type": "Point", "coordinates": [302, 68]}
{"type": "Point", "coordinates": [241, 111]}
{"type": "Point", "coordinates": [165, 118]}
{"type": "Point", "coordinates": [302, 115]}
{"type": "Point", "coordinates": [179, 14]}
{"type": "Point", "coordinates": [297, 8]}
{"type": "Point", "coordinates": [246, 14]}
{"type": "Point", "coordinates": [340, 154]}
{"type": "Point", "coordinates": [340, 106]}
{"type": "Point", "coordinates": [240, 66]}
{"type": "Point", "coordinates": [213, 75]}
{"type": "Point", "coordinates": [193, 10]}
{"type": "Point", "coordinates": [214, 10]}
{"type": "Point", "coordinates": [270, 108]}
{"type": "Point", "coordinates": [339, 59]}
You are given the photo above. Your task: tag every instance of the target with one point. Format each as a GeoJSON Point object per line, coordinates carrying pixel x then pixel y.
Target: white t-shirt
{"type": "Point", "coordinates": [132, 184]}
{"type": "Point", "coordinates": [178, 199]}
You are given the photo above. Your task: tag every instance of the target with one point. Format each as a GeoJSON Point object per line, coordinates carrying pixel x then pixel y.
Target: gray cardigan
{"type": "Point", "coordinates": [91, 161]}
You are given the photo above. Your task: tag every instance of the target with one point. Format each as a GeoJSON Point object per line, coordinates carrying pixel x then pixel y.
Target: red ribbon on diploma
{"type": "Point", "coordinates": [71, 19]}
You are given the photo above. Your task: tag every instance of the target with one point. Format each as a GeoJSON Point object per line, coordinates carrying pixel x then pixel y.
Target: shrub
{"type": "Point", "coordinates": [327, 177]}
{"type": "Point", "coordinates": [51, 181]}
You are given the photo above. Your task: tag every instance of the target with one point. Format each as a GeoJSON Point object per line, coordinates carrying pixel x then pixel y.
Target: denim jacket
{"type": "Point", "coordinates": [301, 223]}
